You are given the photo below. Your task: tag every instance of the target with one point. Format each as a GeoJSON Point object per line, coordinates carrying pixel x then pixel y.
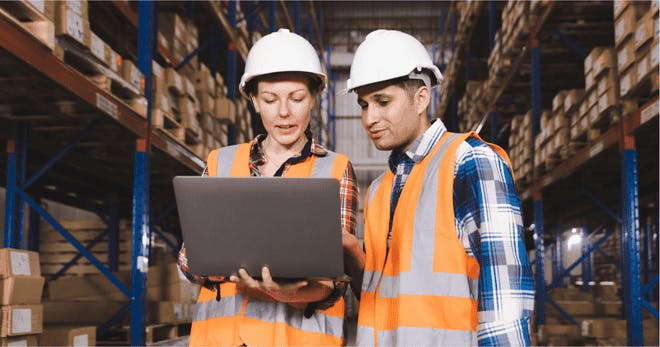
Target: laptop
{"type": "Point", "coordinates": [290, 224]}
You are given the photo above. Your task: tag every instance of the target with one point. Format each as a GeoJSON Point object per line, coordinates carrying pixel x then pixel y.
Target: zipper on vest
{"type": "Point", "coordinates": [217, 292]}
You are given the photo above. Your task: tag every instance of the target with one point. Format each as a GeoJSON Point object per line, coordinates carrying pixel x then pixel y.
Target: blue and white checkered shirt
{"type": "Point", "coordinates": [489, 224]}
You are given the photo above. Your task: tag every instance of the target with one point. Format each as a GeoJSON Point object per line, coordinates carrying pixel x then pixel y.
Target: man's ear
{"type": "Point", "coordinates": [422, 99]}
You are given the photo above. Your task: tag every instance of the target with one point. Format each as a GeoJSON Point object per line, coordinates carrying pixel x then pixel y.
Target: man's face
{"type": "Point", "coordinates": [390, 116]}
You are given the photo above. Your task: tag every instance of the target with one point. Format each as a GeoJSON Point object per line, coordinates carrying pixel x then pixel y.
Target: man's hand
{"type": "Point", "coordinates": [354, 259]}
{"type": "Point", "coordinates": [296, 292]}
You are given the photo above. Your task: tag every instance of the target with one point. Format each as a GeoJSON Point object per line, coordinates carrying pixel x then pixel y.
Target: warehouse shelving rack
{"type": "Point", "coordinates": [558, 38]}
{"type": "Point", "coordinates": [98, 154]}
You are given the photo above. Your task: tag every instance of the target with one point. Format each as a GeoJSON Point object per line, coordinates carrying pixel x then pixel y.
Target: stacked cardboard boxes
{"type": "Point", "coordinates": [55, 251]}
{"type": "Point", "coordinates": [21, 286]}
{"type": "Point", "coordinates": [520, 149]}
{"type": "Point", "coordinates": [472, 105]}
{"type": "Point", "coordinates": [636, 41]}
{"type": "Point", "coordinates": [35, 16]}
{"type": "Point", "coordinates": [72, 21]}
{"type": "Point", "coordinates": [93, 299]}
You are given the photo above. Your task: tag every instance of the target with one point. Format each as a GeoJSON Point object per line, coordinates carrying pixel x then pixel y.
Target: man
{"type": "Point", "coordinates": [444, 260]}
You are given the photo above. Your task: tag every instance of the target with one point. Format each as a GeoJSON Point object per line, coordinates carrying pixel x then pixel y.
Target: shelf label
{"type": "Point", "coordinates": [21, 320]}
{"type": "Point", "coordinates": [19, 343]}
{"type": "Point", "coordinates": [98, 47]}
{"type": "Point", "coordinates": [81, 340]}
{"type": "Point", "coordinates": [39, 5]}
{"type": "Point", "coordinates": [597, 148]}
{"type": "Point", "coordinates": [75, 26]}
{"type": "Point", "coordinates": [20, 263]}
{"type": "Point", "coordinates": [107, 106]}
{"type": "Point", "coordinates": [649, 113]}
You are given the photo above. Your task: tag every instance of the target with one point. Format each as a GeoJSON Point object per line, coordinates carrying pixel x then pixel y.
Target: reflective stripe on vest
{"type": "Point", "coordinates": [425, 292]}
{"type": "Point", "coordinates": [239, 318]}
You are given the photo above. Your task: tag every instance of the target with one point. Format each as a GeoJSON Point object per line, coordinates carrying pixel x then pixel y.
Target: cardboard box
{"type": "Point", "coordinates": [18, 262]}
{"type": "Point", "coordinates": [80, 312]}
{"type": "Point", "coordinates": [606, 82]}
{"type": "Point", "coordinates": [170, 312]}
{"type": "Point", "coordinates": [21, 320]}
{"type": "Point", "coordinates": [71, 24]}
{"type": "Point", "coordinates": [603, 327]}
{"type": "Point", "coordinates": [21, 290]}
{"type": "Point", "coordinates": [190, 87]}
{"type": "Point", "coordinates": [47, 8]}
{"type": "Point", "coordinates": [589, 60]}
{"type": "Point", "coordinates": [204, 81]}
{"type": "Point", "coordinates": [625, 55]}
{"type": "Point", "coordinates": [558, 101]}
{"type": "Point", "coordinates": [589, 80]}
{"type": "Point", "coordinates": [79, 6]}
{"type": "Point", "coordinates": [643, 66]}
{"type": "Point", "coordinates": [583, 109]}
{"type": "Point", "coordinates": [167, 280]}
{"type": "Point", "coordinates": [174, 81]}
{"type": "Point", "coordinates": [572, 100]}
{"type": "Point", "coordinates": [605, 61]}
{"type": "Point", "coordinates": [560, 121]}
{"type": "Point", "coordinates": [591, 98]}
{"type": "Point", "coordinates": [225, 110]}
{"type": "Point", "coordinates": [171, 26]}
{"type": "Point", "coordinates": [655, 51]}
{"type": "Point", "coordinates": [19, 341]}
{"type": "Point", "coordinates": [206, 103]}
{"type": "Point", "coordinates": [635, 6]}
{"type": "Point", "coordinates": [628, 80]}
{"type": "Point", "coordinates": [624, 26]}
{"type": "Point", "coordinates": [645, 31]}
{"type": "Point", "coordinates": [60, 335]}
{"type": "Point", "coordinates": [133, 75]}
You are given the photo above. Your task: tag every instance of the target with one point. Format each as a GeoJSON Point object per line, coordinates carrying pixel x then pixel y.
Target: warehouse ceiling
{"type": "Point", "coordinates": [346, 23]}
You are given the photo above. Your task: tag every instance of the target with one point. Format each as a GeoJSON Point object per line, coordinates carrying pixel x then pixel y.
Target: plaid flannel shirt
{"type": "Point", "coordinates": [489, 224]}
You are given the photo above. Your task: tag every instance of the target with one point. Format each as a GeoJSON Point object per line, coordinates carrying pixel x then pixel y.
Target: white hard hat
{"type": "Point", "coordinates": [389, 54]}
{"type": "Point", "coordinates": [281, 51]}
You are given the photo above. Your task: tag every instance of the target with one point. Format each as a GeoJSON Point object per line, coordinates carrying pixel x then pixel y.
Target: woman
{"type": "Point", "coordinates": [282, 79]}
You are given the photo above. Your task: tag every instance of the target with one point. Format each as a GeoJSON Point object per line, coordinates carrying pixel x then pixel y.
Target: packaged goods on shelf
{"type": "Point", "coordinates": [174, 82]}
{"type": "Point", "coordinates": [63, 335]}
{"type": "Point", "coordinates": [18, 262]}
{"type": "Point", "coordinates": [70, 23]}
{"type": "Point", "coordinates": [204, 81]}
{"type": "Point", "coordinates": [133, 75]}
{"type": "Point", "coordinates": [638, 8]}
{"type": "Point", "coordinates": [625, 25]}
{"type": "Point", "coordinates": [21, 290]}
{"type": "Point", "coordinates": [225, 110]}
{"type": "Point", "coordinates": [16, 341]}
{"type": "Point", "coordinates": [625, 56]}
{"type": "Point", "coordinates": [19, 320]}
{"type": "Point", "coordinates": [572, 100]}
{"type": "Point", "coordinates": [605, 62]}
{"type": "Point", "coordinates": [645, 31]}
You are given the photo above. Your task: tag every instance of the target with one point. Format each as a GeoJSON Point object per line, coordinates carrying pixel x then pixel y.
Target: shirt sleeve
{"type": "Point", "coordinates": [182, 260]}
{"type": "Point", "coordinates": [489, 224]}
{"type": "Point", "coordinates": [349, 195]}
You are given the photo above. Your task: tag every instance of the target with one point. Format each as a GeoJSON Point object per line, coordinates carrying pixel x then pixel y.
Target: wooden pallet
{"type": "Point", "coordinates": [154, 333]}
{"type": "Point", "coordinates": [28, 18]}
{"type": "Point", "coordinates": [167, 124]}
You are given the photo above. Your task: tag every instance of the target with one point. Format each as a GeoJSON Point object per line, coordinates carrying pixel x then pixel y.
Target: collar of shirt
{"type": "Point", "coordinates": [421, 147]}
{"type": "Point", "coordinates": [257, 157]}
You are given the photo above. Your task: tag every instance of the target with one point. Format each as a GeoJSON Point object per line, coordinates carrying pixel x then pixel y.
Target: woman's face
{"type": "Point", "coordinates": [285, 103]}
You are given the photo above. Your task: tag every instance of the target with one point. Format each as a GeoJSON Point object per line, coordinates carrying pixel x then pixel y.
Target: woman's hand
{"type": "Point", "coordinates": [296, 292]}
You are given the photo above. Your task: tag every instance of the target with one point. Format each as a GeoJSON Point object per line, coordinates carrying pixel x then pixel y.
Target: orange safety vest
{"type": "Point", "coordinates": [240, 319]}
{"type": "Point", "coordinates": [424, 292]}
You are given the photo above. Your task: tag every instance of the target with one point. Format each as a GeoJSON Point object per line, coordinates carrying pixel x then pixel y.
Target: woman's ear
{"type": "Point", "coordinates": [422, 99]}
